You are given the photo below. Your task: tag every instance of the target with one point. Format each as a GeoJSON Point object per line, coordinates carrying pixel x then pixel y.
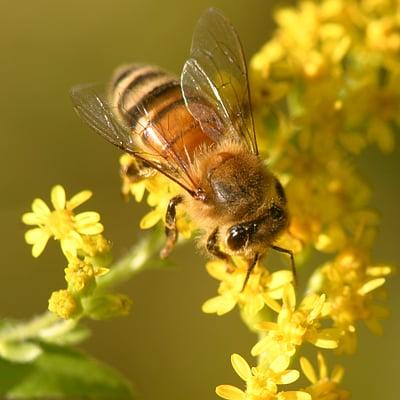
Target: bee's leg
{"type": "Point", "coordinates": [170, 226]}
{"type": "Point", "coordinates": [250, 268]}
{"type": "Point", "coordinates": [213, 248]}
{"type": "Point", "coordinates": [290, 252]}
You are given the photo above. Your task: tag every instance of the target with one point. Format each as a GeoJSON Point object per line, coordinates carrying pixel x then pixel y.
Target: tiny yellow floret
{"type": "Point", "coordinates": [64, 304]}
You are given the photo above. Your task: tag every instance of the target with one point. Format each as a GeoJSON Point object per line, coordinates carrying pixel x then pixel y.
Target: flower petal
{"type": "Point", "coordinates": [337, 374]}
{"type": "Point", "coordinates": [280, 363]}
{"type": "Point", "coordinates": [241, 367]}
{"type": "Point", "coordinates": [219, 304]}
{"type": "Point", "coordinates": [298, 395]}
{"type": "Point", "coordinates": [370, 286]}
{"type": "Point", "coordinates": [58, 197]}
{"type": "Point", "coordinates": [323, 369]}
{"type": "Point", "coordinates": [78, 199]}
{"type": "Point", "coordinates": [326, 338]}
{"type": "Point", "coordinates": [316, 311]}
{"type": "Point", "coordinates": [230, 392]}
{"type": "Point", "coordinates": [91, 229]}
{"type": "Point", "coordinates": [31, 218]}
{"type": "Point", "coordinates": [288, 377]}
{"type": "Point", "coordinates": [217, 269]}
{"type": "Point", "coordinates": [280, 278]}
{"type": "Point", "coordinates": [289, 297]}
{"type": "Point", "coordinates": [308, 370]}
{"type": "Point", "coordinates": [137, 190]}
{"type": "Point", "coordinates": [150, 219]}
{"type": "Point", "coordinates": [38, 247]}
{"type": "Point", "coordinates": [40, 208]}
{"type": "Point", "coordinates": [271, 303]}
{"type": "Point", "coordinates": [68, 247]}
{"type": "Point", "coordinates": [379, 270]}
{"type": "Point", "coordinates": [87, 217]}
{"type": "Point", "coordinates": [34, 235]}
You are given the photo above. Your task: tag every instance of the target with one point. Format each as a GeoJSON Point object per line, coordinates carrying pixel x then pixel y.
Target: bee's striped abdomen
{"type": "Point", "coordinates": [150, 101]}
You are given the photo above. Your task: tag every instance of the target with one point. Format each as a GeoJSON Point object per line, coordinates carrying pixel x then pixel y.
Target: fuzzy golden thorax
{"type": "Point", "coordinates": [244, 200]}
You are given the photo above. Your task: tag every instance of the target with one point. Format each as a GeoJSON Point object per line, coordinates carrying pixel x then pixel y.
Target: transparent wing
{"type": "Point", "coordinates": [92, 106]}
{"type": "Point", "coordinates": [215, 81]}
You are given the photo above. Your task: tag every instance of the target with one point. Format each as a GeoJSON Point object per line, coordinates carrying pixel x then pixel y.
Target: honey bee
{"type": "Point", "coordinates": [199, 132]}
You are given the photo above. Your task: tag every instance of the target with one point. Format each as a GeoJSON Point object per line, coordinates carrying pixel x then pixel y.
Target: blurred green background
{"type": "Point", "coordinates": [167, 346]}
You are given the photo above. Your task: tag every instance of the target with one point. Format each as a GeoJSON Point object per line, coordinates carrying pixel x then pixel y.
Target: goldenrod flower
{"type": "Point", "coordinates": [64, 304]}
{"type": "Point", "coordinates": [295, 326]}
{"type": "Point", "coordinates": [80, 276]}
{"type": "Point", "coordinates": [61, 223]}
{"type": "Point", "coordinates": [323, 386]}
{"type": "Point", "coordinates": [262, 288]}
{"type": "Point", "coordinates": [262, 381]}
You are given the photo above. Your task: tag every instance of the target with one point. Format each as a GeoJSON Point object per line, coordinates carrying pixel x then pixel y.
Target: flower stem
{"type": "Point", "coordinates": [143, 254]}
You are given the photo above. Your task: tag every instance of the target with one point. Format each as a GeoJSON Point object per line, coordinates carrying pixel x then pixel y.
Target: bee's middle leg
{"type": "Point", "coordinates": [171, 230]}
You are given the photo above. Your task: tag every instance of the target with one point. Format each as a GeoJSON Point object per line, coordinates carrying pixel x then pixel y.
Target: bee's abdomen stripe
{"type": "Point", "coordinates": [159, 91]}
{"type": "Point", "coordinates": [140, 80]}
{"type": "Point", "coordinates": [138, 109]}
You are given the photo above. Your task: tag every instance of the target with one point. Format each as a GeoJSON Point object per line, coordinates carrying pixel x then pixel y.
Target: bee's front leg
{"type": "Point", "coordinates": [171, 230]}
{"type": "Point", "coordinates": [213, 248]}
{"type": "Point", "coordinates": [292, 263]}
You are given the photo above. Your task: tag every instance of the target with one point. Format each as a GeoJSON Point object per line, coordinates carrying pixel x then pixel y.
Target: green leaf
{"type": "Point", "coordinates": [61, 373]}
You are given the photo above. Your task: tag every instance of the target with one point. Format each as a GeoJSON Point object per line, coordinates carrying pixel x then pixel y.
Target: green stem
{"type": "Point", "coordinates": [28, 329]}
{"type": "Point", "coordinates": [139, 257]}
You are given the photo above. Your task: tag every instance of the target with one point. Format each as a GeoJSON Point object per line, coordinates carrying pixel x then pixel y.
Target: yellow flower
{"type": "Point", "coordinates": [262, 381]}
{"type": "Point", "coordinates": [62, 223]}
{"type": "Point", "coordinates": [263, 287]}
{"type": "Point", "coordinates": [80, 276]}
{"type": "Point", "coordinates": [295, 326]}
{"type": "Point", "coordinates": [324, 387]}
{"type": "Point", "coordinates": [64, 304]}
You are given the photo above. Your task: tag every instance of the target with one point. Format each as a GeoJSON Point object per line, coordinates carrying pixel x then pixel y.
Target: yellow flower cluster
{"type": "Point", "coordinates": [325, 87]}
{"type": "Point", "coordinates": [86, 250]}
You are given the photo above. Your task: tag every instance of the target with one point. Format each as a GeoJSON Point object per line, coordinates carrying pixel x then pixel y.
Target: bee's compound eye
{"type": "Point", "coordinates": [237, 237]}
{"type": "Point", "coordinates": [276, 212]}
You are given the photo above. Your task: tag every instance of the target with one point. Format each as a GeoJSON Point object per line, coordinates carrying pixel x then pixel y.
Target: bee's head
{"type": "Point", "coordinates": [255, 236]}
